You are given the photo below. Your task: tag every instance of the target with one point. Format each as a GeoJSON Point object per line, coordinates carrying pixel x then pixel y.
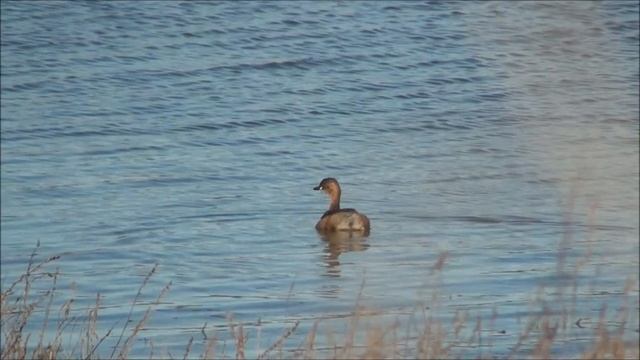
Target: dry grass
{"type": "Point", "coordinates": [426, 337]}
{"type": "Point", "coordinates": [18, 306]}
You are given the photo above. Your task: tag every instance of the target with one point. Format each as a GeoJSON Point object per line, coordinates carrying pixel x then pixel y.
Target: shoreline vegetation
{"type": "Point", "coordinates": [542, 334]}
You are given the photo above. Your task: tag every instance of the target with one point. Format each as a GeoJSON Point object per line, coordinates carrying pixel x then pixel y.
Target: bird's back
{"type": "Point", "coordinates": [343, 220]}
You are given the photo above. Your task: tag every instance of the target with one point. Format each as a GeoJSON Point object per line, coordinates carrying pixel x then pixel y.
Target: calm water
{"type": "Point", "coordinates": [190, 135]}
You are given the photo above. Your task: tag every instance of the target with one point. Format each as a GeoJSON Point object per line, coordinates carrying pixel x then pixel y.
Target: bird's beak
{"type": "Point", "coordinates": [317, 187]}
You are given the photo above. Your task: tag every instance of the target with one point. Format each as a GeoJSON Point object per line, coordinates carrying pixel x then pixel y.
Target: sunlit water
{"type": "Point", "coordinates": [191, 135]}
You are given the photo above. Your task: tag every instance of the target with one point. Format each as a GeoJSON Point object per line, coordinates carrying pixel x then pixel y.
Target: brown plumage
{"type": "Point", "coordinates": [337, 219]}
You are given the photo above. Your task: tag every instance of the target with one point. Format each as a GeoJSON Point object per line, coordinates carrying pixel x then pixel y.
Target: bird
{"type": "Point", "coordinates": [337, 219]}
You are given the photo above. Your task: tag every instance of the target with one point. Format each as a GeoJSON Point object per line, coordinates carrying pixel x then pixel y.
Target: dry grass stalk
{"type": "Point", "coordinates": [280, 340]}
{"type": "Point", "coordinates": [90, 335]}
{"type": "Point", "coordinates": [375, 347]}
{"type": "Point", "coordinates": [209, 352]}
{"type": "Point", "coordinates": [186, 353]}
{"type": "Point", "coordinates": [124, 351]}
{"type": "Point", "coordinates": [308, 351]}
{"type": "Point", "coordinates": [238, 337]}
{"type": "Point", "coordinates": [133, 304]}
{"type": "Point", "coordinates": [543, 347]}
{"type": "Point", "coordinates": [47, 312]}
{"type": "Point", "coordinates": [15, 316]}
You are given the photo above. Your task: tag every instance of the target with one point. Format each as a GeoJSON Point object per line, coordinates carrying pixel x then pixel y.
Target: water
{"type": "Point", "coordinates": [191, 134]}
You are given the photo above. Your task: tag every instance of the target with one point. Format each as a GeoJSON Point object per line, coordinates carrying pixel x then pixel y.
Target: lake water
{"type": "Point", "coordinates": [191, 135]}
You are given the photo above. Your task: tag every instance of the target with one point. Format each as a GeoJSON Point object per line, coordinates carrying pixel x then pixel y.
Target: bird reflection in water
{"type": "Point", "coordinates": [340, 242]}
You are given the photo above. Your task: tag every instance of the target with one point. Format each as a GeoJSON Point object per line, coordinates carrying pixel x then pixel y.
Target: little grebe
{"type": "Point", "coordinates": [336, 219]}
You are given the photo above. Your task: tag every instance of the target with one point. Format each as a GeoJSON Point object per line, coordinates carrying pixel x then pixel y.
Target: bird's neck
{"type": "Point", "coordinates": [335, 202]}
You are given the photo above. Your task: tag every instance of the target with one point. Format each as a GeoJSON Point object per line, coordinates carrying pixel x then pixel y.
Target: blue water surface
{"type": "Point", "coordinates": [499, 136]}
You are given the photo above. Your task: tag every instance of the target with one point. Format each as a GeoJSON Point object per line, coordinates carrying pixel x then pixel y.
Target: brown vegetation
{"type": "Point", "coordinates": [428, 338]}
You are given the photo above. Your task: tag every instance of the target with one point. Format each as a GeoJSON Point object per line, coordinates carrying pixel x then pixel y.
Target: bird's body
{"type": "Point", "coordinates": [337, 219]}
